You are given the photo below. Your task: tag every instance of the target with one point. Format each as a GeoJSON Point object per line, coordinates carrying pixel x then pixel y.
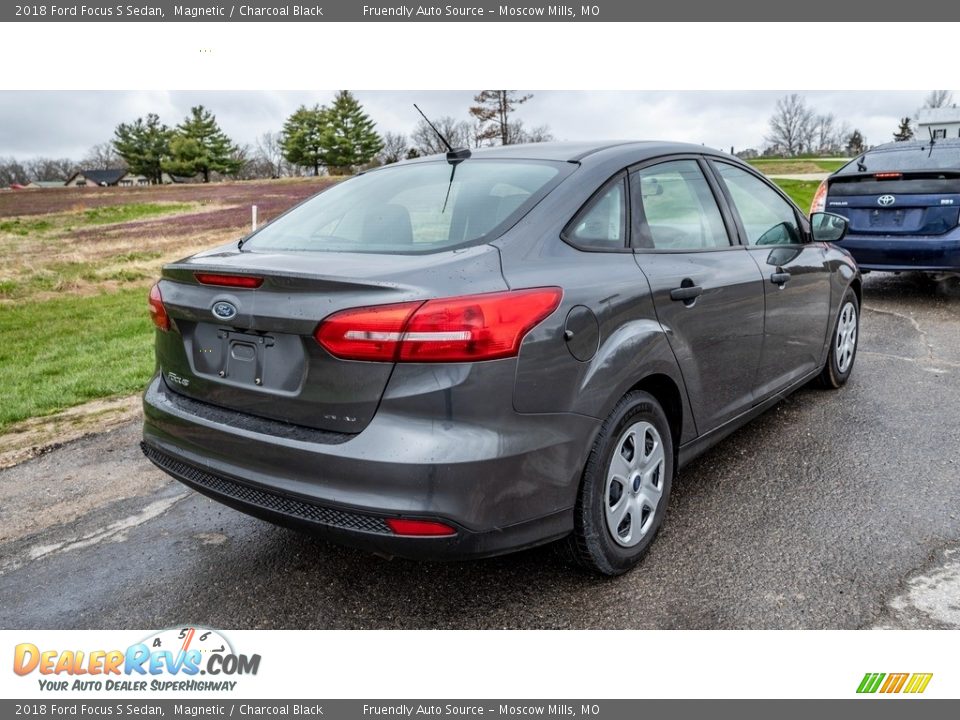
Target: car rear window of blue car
{"type": "Point", "coordinates": [912, 157]}
{"type": "Point", "coordinates": [416, 208]}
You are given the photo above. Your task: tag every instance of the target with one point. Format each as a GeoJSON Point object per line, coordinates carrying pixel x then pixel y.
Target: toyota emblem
{"type": "Point", "coordinates": [886, 200]}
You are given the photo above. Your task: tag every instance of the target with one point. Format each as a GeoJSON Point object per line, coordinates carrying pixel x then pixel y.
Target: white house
{"type": "Point", "coordinates": [941, 122]}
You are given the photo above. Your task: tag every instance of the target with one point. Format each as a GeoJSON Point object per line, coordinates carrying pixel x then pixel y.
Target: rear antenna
{"type": "Point", "coordinates": [453, 156]}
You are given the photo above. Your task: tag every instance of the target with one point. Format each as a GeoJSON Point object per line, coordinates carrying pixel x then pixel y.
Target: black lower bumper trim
{"type": "Point", "coordinates": [273, 502]}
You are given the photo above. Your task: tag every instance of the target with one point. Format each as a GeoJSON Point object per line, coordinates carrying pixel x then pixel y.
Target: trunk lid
{"type": "Point", "coordinates": [253, 350]}
{"type": "Point", "coordinates": [910, 204]}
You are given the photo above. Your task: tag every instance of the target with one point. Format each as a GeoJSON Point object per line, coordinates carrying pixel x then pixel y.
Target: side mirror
{"type": "Point", "coordinates": [828, 227]}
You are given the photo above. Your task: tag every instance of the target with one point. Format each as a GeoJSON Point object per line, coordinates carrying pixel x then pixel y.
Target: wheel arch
{"type": "Point", "coordinates": [857, 286]}
{"type": "Point", "coordinates": [666, 392]}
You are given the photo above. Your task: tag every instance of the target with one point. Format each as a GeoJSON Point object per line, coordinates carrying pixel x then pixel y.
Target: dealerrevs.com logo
{"type": "Point", "coordinates": [179, 659]}
{"type": "Point", "coordinates": [892, 683]}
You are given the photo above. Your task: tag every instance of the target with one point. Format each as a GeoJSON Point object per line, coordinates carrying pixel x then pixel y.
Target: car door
{"type": "Point", "coordinates": [796, 277]}
{"type": "Point", "coordinates": [707, 290]}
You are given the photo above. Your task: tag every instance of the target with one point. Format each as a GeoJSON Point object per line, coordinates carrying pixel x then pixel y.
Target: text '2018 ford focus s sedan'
{"type": "Point", "coordinates": [465, 355]}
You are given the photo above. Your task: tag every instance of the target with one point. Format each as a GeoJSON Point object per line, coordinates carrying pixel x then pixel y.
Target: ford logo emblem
{"type": "Point", "coordinates": [886, 200]}
{"type": "Point", "coordinates": [224, 310]}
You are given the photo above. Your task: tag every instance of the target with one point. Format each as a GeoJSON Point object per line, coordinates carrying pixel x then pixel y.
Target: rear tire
{"type": "Point", "coordinates": [843, 343]}
{"type": "Point", "coordinates": [625, 488]}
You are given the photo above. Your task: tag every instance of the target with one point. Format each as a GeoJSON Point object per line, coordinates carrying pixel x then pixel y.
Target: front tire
{"type": "Point", "coordinates": [843, 343]}
{"type": "Point", "coordinates": [625, 488]}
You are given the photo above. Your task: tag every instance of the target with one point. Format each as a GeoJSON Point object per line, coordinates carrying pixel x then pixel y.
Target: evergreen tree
{"type": "Point", "coordinates": [144, 145]}
{"type": "Point", "coordinates": [302, 137]}
{"type": "Point", "coordinates": [856, 143]}
{"type": "Point", "coordinates": [904, 132]}
{"type": "Point", "coordinates": [200, 146]}
{"type": "Point", "coordinates": [349, 138]}
{"type": "Point", "coordinates": [492, 111]}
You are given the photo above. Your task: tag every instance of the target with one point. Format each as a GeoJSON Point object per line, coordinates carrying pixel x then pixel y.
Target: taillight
{"type": "Point", "coordinates": [888, 176]}
{"type": "Point", "coordinates": [819, 198]}
{"type": "Point", "coordinates": [459, 329]}
{"type": "Point", "coordinates": [419, 528]}
{"type": "Point", "coordinates": [158, 313]}
{"type": "Point", "coordinates": [237, 281]}
{"type": "Point", "coordinates": [371, 333]}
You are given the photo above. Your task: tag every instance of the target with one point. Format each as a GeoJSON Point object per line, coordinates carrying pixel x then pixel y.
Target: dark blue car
{"type": "Point", "coordinates": [903, 203]}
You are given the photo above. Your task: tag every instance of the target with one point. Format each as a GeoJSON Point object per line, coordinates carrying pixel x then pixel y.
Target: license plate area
{"type": "Point", "coordinates": [273, 361]}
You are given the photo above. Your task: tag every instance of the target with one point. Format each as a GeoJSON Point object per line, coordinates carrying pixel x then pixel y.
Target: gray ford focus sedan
{"type": "Point", "coordinates": [464, 355]}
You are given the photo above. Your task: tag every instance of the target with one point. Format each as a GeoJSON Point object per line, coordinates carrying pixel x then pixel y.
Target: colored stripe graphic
{"type": "Point", "coordinates": [894, 683]}
{"type": "Point", "coordinates": [870, 682]}
{"type": "Point", "coordinates": [918, 682]}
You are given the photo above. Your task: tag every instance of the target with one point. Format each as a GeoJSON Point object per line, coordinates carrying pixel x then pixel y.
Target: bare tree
{"type": "Point", "coordinates": [12, 172]}
{"type": "Point", "coordinates": [395, 147]}
{"type": "Point", "coordinates": [42, 168]}
{"type": "Point", "coordinates": [938, 99]}
{"type": "Point", "coordinates": [269, 153]}
{"type": "Point", "coordinates": [102, 156]}
{"type": "Point", "coordinates": [824, 130]}
{"type": "Point", "coordinates": [520, 134]}
{"type": "Point", "coordinates": [457, 132]}
{"type": "Point", "coordinates": [492, 111]}
{"type": "Point", "coordinates": [790, 125]}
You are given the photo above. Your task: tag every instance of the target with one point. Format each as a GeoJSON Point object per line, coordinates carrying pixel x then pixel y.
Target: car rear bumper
{"type": "Point", "coordinates": [905, 253]}
{"type": "Point", "coordinates": [501, 488]}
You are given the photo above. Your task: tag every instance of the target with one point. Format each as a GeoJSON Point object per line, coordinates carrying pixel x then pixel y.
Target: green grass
{"type": "Point", "coordinates": [132, 211]}
{"type": "Point", "coordinates": [24, 227]}
{"type": "Point", "coordinates": [800, 191]}
{"type": "Point", "coordinates": [55, 354]}
{"type": "Point", "coordinates": [795, 166]}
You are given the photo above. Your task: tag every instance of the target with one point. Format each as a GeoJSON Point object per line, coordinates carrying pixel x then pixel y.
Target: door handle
{"type": "Point", "coordinates": [780, 277]}
{"type": "Point", "coordinates": [686, 293]}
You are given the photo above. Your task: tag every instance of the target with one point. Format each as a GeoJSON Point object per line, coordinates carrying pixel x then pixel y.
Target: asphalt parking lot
{"type": "Point", "coordinates": [833, 510]}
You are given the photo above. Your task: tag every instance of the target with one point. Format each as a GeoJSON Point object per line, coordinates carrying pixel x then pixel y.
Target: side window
{"type": "Point", "coordinates": [674, 208]}
{"type": "Point", "coordinates": [603, 223]}
{"type": "Point", "coordinates": [767, 218]}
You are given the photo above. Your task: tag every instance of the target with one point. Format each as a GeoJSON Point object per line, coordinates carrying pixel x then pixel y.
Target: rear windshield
{"type": "Point", "coordinates": [424, 207]}
{"type": "Point", "coordinates": [916, 157]}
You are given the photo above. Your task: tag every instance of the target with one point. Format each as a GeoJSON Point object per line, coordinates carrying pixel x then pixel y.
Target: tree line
{"type": "Point", "coordinates": [339, 138]}
{"type": "Point", "coordinates": [796, 128]}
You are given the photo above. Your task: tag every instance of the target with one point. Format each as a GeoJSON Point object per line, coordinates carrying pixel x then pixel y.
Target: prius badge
{"type": "Point", "coordinates": [224, 310]}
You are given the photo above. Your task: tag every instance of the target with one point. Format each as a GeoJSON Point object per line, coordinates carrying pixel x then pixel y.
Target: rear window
{"type": "Point", "coordinates": [915, 157]}
{"type": "Point", "coordinates": [425, 207]}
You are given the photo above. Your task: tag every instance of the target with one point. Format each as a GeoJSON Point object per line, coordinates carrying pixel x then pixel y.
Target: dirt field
{"type": "Point", "coordinates": [84, 240]}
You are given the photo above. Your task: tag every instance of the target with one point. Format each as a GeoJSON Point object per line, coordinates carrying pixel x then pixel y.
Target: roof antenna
{"type": "Point", "coordinates": [453, 156]}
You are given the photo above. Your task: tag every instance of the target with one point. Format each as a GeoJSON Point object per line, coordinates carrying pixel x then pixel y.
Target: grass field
{"type": "Point", "coordinates": [800, 191]}
{"type": "Point", "coordinates": [796, 166]}
{"type": "Point", "coordinates": [76, 266]}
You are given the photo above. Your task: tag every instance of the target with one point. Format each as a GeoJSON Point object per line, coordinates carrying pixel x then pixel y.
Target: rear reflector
{"type": "Point", "coordinates": [238, 281]}
{"type": "Point", "coordinates": [419, 528]}
{"type": "Point", "coordinates": [459, 329]}
{"type": "Point", "coordinates": [158, 313]}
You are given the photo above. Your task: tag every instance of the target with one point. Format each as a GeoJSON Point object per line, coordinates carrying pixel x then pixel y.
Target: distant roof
{"type": "Point", "coordinates": [101, 177]}
{"type": "Point", "coordinates": [918, 144]}
{"type": "Point", "coordinates": [48, 183]}
{"type": "Point", "coordinates": [926, 116]}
